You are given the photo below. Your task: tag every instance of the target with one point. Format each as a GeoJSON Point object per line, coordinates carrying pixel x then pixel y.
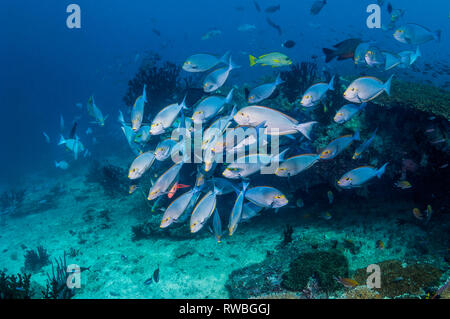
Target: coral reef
{"type": "Point", "coordinates": [35, 260]}
{"type": "Point", "coordinates": [113, 179]}
{"type": "Point", "coordinates": [324, 265]}
{"type": "Point", "coordinates": [361, 292]}
{"type": "Point", "coordinates": [57, 284]}
{"type": "Point", "coordinates": [398, 280]}
{"type": "Point", "coordinates": [162, 82]}
{"type": "Point", "coordinates": [287, 235]}
{"type": "Point", "coordinates": [297, 79]}
{"type": "Point", "coordinates": [10, 200]}
{"type": "Point", "coordinates": [422, 97]}
{"type": "Point", "coordinates": [15, 287]}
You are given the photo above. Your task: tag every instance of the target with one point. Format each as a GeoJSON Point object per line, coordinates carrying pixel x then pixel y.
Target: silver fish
{"type": "Point", "coordinates": [277, 123]}
{"type": "Point", "coordinates": [203, 62]}
{"type": "Point", "coordinates": [137, 113]}
{"type": "Point", "coordinates": [359, 176]}
{"type": "Point", "coordinates": [217, 78]}
{"type": "Point", "coordinates": [209, 107]}
{"type": "Point", "coordinates": [165, 118]}
{"type": "Point", "coordinates": [366, 88]}
{"type": "Point", "coordinates": [236, 212]}
{"type": "Point", "coordinates": [412, 33]}
{"type": "Point", "coordinates": [95, 112]}
{"type": "Point", "coordinates": [264, 91]}
{"type": "Point", "coordinates": [296, 164]}
{"type": "Point", "coordinates": [164, 149]}
{"type": "Point", "coordinates": [177, 208]}
{"type": "Point", "coordinates": [203, 211]}
{"type": "Point", "coordinates": [266, 196]}
{"type": "Point", "coordinates": [163, 183]}
{"type": "Point", "coordinates": [364, 146]}
{"type": "Point", "coordinates": [346, 112]}
{"type": "Point", "coordinates": [316, 93]}
{"type": "Point", "coordinates": [141, 164]}
{"type": "Point", "coordinates": [338, 145]}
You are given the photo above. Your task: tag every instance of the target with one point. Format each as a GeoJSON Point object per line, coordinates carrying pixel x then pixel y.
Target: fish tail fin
{"type": "Point", "coordinates": [331, 84]}
{"type": "Point", "coordinates": [387, 85]}
{"type": "Point", "coordinates": [252, 60]}
{"type": "Point", "coordinates": [381, 171]}
{"type": "Point", "coordinates": [305, 128]}
{"type": "Point", "coordinates": [418, 53]}
{"type": "Point", "coordinates": [356, 136]}
{"type": "Point", "coordinates": [279, 157]}
{"type": "Point", "coordinates": [245, 185]}
{"type": "Point", "coordinates": [437, 35]}
{"type": "Point", "coordinates": [183, 104]}
{"type": "Point", "coordinates": [229, 96]}
{"type": "Point", "coordinates": [278, 80]}
{"type": "Point", "coordinates": [224, 59]}
{"type": "Point", "coordinates": [62, 140]}
{"type": "Point", "coordinates": [233, 111]}
{"type": "Point", "coordinates": [329, 54]}
{"type": "Point", "coordinates": [391, 61]}
{"type": "Point", "coordinates": [232, 65]}
{"type": "Point", "coordinates": [144, 94]}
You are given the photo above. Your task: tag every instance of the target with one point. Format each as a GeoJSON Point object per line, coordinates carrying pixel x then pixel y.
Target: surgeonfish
{"type": "Point", "coordinates": [359, 176]}
{"type": "Point", "coordinates": [366, 88]}
{"type": "Point", "coordinates": [249, 211]}
{"type": "Point", "coordinates": [137, 112]}
{"type": "Point", "coordinates": [265, 196]}
{"type": "Point", "coordinates": [141, 164]}
{"type": "Point", "coordinates": [217, 78]}
{"type": "Point", "coordinates": [176, 209]}
{"type": "Point", "coordinates": [247, 165]}
{"type": "Point", "coordinates": [274, 59]}
{"type": "Point", "coordinates": [415, 34]}
{"type": "Point", "coordinates": [95, 112]}
{"type": "Point", "coordinates": [403, 59]}
{"type": "Point", "coordinates": [296, 164]}
{"type": "Point", "coordinates": [163, 183]}
{"type": "Point", "coordinates": [47, 139]}
{"type": "Point", "coordinates": [164, 149]}
{"type": "Point", "coordinates": [203, 211]}
{"type": "Point", "coordinates": [346, 112]}
{"type": "Point", "coordinates": [360, 149]}
{"type": "Point", "coordinates": [316, 93]}
{"type": "Point", "coordinates": [142, 136]}
{"type": "Point", "coordinates": [62, 165]}
{"type": "Point", "coordinates": [74, 145]}
{"type": "Point", "coordinates": [217, 128]}
{"type": "Point", "coordinates": [203, 62]}
{"type": "Point", "coordinates": [263, 91]}
{"type": "Point", "coordinates": [277, 123]}
{"type": "Point", "coordinates": [209, 107]}
{"type": "Point", "coordinates": [338, 145]}
{"type": "Point", "coordinates": [359, 56]}
{"type": "Point", "coordinates": [165, 118]}
{"type": "Point", "coordinates": [236, 212]}
{"type": "Point", "coordinates": [217, 226]}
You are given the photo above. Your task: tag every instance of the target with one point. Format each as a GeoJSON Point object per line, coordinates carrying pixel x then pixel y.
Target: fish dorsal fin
{"type": "Point", "coordinates": [285, 115]}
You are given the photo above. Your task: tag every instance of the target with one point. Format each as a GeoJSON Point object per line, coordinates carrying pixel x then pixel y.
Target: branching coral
{"type": "Point", "coordinates": [35, 260]}
{"type": "Point", "coordinates": [112, 178]}
{"type": "Point", "coordinates": [162, 82]}
{"type": "Point", "coordinates": [298, 79]}
{"type": "Point", "coordinates": [10, 200]}
{"type": "Point", "coordinates": [15, 287]}
{"type": "Point", "coordinates": [57, 284]}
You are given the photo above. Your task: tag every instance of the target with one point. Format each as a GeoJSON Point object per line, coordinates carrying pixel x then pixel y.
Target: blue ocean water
{"type": "Point", "coordinates": [47, 68]}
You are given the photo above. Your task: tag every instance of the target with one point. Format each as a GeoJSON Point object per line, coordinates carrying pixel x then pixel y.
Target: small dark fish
{"type": "Point", "coordinates": [273, 25]}
{"type": "Point", "coordinates": [389, 8]}
{"type": "Point", "coordinates": [343, 50]}
{"type": "Point", "coordinates": [156, 275]}
{"type": "Point", "coordinates": [73, 130]}
{"type": "Point", "coordinates": [157, 32]}
{"type": "Point", "coordinates": [247, 92]}
{"type": "Point", "coordinates": [272, 9]}
{"type": "Point", "coordinates": [85, 268]}
{"type": "Point", "coordinates": [148, 281]}
{"type": "Point", "coordinates": [288, 44]}
{"type": "Point", "coordinates": [317, 6]}
{"type": "Point", "coordinates": [124, 258]}
{"type": "Point", "coordinates": [257, 7]}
